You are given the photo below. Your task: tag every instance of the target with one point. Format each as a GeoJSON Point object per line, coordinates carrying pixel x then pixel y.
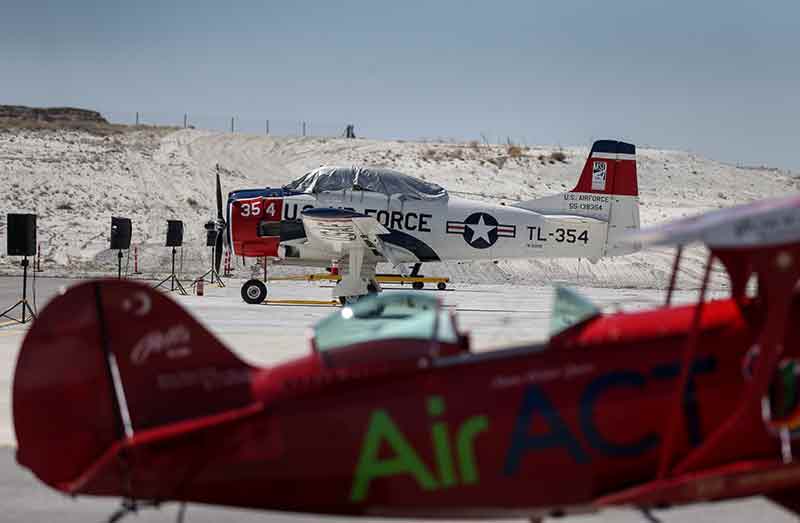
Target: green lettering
{"type": "Point", "coordinates": [405, 460]}
{"type": "Point", "coordinates": [465, 444]}
{"type": "Point", "coordinates": [441, 443]}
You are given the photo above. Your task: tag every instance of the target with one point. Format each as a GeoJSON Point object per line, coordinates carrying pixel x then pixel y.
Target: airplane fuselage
{"type": "Point", "coordinates": [423, 231]}
{"type": "Point", "coordinates": [371, 430]}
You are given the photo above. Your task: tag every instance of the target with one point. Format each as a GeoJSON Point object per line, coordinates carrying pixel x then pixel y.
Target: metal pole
{"type": "Point", "coordinates": [172, 279]}
{"type": "Point", "coordinates": [119, 264]}
{"type": "Point", "coordinates": [137, 117]}
{"type": "Point", "coordinates": [674, 276]}
{"type": "Point", "coordinates": [185, 117]}
{"type": "Point", "coordinates": [24, 286]}
{"type": "Point", "coordinates": [267, 127]}
{"type": "Point", "coordinates": [231, 123]}
{"type": "Point", "coordinates": [304, 128]}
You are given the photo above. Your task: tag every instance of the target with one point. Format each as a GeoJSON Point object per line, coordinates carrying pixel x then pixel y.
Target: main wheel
{"type": "Point", "coordinates": [254, 292]}
{"type": "Point", "coordinates": [417, 285]}
{"type": "Point", "coordinates": [441, 285]}
{"type": "Point", "coordinates": [349, 300]}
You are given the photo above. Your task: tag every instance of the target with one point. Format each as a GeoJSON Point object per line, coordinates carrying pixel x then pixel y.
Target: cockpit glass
{"type": "Point", "coordinates": [570, 308]}
{"type": "Point", "coordinates": [384, 316]}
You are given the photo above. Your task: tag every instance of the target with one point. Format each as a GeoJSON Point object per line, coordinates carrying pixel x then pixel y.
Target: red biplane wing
{"type": "Point", "coordinates": [758, 224]}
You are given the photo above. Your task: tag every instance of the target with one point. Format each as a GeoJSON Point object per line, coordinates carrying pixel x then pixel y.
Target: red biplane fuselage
{"type": "Point", "coordinates": [119, 392]}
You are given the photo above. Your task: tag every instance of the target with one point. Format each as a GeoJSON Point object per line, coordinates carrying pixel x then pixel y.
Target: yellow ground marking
{"type": "Point", "coordinates": [301, 302]}
{"type": "Point", "coordinates": [381, 278]}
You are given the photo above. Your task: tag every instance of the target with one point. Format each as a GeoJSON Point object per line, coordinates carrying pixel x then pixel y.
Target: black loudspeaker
{"type": "Point", "coordinates": [174, 233]}
{"type": "Point", "coordinates": [211, 238]}
{"type": "Point", "coordinates": [21, 229]}
{"type": "Point", "coordinates": [120, 233]}
{"type": "Point", "coordinates": [211, 234]}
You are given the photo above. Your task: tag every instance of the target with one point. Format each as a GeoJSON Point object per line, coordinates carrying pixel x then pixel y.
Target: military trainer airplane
{"type": "Point", "coordinates": [358, 217]}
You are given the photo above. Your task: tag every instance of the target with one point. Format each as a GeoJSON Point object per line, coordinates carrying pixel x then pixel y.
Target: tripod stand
{"type": "Point", "coordinates": [24, 301]}
{"type": "Point", "coordinates": [174, 282]}
{"type": "Point", "coordinates": [119, 264]}
{"type": "Point", "coordinates": [211, 273]}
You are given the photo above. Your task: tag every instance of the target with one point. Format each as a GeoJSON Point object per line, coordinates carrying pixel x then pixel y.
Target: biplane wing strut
{"type": "Point", "coordinates": [748, 244]}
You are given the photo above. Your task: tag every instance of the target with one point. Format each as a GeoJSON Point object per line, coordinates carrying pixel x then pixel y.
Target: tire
{"type": "Point", "coordinates": [417, 285]}
{"type": "Point", "coordinates": [441, 285]}
{"type": "Point", "coordinates": [349, 300]}
{"type": "Point", "coordinates": [254, 292]}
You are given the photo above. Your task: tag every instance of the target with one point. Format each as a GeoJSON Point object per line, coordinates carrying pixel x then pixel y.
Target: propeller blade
{"type": "Point", "coordinates": [219, 198]}
{"type": "Point", "coordinates": [218, 246]}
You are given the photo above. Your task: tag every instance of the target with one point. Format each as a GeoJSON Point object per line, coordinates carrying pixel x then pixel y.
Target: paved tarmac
{"type": "Point", "coordinates": [496, 315]}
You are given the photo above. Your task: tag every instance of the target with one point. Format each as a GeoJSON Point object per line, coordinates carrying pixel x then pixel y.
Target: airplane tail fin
{"type": "Point", "coordinates": [107, 362]}
{"type": "Point", "coordinates": [607, 190]}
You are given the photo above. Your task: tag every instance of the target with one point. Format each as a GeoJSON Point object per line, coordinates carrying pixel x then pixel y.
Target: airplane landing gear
{"type": "Point", "coordinates": [372, 288]}
{"type": "Point", "coordinates": [254, 292]}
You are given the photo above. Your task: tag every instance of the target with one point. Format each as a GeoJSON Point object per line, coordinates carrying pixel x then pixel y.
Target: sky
{"type": "Point", "coordinates": [717, 78]}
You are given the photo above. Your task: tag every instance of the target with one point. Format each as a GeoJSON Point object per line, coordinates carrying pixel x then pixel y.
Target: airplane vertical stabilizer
{"type": "Point", "coordinates": [607, 190]}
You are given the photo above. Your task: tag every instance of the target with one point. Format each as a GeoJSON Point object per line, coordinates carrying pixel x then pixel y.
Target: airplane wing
{"type": "Point", "coordinates": [339, 230]}
{"type": "Point", "coordinates": [763, 223]}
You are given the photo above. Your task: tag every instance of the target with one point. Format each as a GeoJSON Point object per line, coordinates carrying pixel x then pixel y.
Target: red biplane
{"type": "Point", "coordinates": [120, 392]}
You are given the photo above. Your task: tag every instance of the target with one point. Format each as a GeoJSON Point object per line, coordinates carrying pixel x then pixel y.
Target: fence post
{"type": "Point", "coordinates": [231, 123]}
{"type": "Point", "coordinates": [137, 117]}
{"type": "Point", "coordinates": [304, 128]}
{"type": "Point", "coordinates": [185, 117]}
{"type": "Point", "coordinates": [267, 127]}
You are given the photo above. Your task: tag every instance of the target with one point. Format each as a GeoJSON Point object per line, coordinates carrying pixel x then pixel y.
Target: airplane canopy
{"type": "Point", "coordinates": [374, 179]}
{"type": "Point", "coordinates": [386, 316]}
{"type": "Point", "coordinates": [760, 224]}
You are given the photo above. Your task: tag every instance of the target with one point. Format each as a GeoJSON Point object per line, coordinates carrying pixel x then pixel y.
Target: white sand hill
{"type": "Point", "coordinates": [76, 181]}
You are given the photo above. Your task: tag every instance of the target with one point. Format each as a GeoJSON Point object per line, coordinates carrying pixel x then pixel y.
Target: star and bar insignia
{"type": "Point", "coordinates": [481, 230]}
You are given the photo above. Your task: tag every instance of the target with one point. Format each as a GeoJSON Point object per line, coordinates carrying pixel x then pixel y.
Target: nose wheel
{"type": "Point", "coordinates": [254, 292]}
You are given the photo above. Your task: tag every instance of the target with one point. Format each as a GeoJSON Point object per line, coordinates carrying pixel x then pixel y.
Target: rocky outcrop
{"type": "Point", "coordinates": [50, 114]}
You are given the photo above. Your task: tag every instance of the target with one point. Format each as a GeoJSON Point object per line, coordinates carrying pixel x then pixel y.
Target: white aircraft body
{"type": "Point", "coordinates": [358, 217]}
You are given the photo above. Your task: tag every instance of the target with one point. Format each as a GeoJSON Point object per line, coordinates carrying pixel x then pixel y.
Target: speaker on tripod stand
{"type": "Point", "coordinates": [21, 241]}
{"type": "Point", "coordinates": [174, 240]}
{"type": "Point", "coordinates": [121, 229]}
{"type": "Point", "coordinates": [214, 243]}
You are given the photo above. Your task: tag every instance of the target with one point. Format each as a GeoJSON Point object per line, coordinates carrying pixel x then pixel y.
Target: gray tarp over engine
{"type": "Point", "coordinates": [385, 181]}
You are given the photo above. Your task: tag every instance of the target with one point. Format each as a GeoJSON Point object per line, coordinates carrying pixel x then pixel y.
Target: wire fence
{"type": "Point", "coordinates": [285, 127]}
{"type": "Point", "coordinates": [230, 123]}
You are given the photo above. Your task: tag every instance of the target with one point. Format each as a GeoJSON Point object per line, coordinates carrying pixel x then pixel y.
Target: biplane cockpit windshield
{"type": "Point", "coordinates": [569, 309]}
{"type": "Point", "coordinates": [385, 316]}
